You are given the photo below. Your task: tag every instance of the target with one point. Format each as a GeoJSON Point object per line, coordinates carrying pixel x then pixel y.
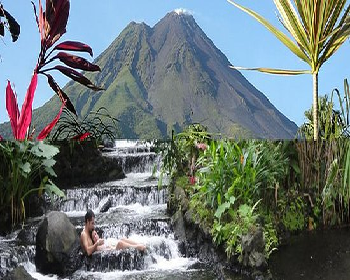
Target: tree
{"type": "Point", "coordinates": [317, 30]}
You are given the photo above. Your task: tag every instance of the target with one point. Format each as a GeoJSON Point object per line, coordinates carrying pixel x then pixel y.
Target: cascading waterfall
{"type": "Point", "coordinates": [133, 208]}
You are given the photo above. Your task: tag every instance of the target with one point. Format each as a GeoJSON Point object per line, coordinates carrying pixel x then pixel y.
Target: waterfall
{"type": "Point", "coordinates": [135, 208]}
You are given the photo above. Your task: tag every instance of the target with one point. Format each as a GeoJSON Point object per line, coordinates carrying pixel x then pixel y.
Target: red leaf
{"type": "Point", "coordinates": [76, 76]}
{"type": "Point", "coordinates": [42, 22]}
{"type": "Point", "coordinates": [57, 13]}
{"type": "Point", "coordinates": [2, 29]}
{"type": "Point", "coordinates": [26, 113]}
{"type": "Point", "coordinates": [81, 137]}
{"type": "Point", "coordinates": [192, 180]}
{"type": "Point", "coordinates": [12, 108]}
{"type": "Point", "coordinates": [1, 139]}
{"type": "Point", "coordinates": [61, 94]}
{"type": "Point", "coordinates": [43, 134]}
{"type": "Point", "coordinates": [74, 46]}
{"type": "Point", "coordinates": [77, 62]}
{"type": "Point", "coordinates": [13, 26]}
{"type": "Point", "coordinates": [50, 9]}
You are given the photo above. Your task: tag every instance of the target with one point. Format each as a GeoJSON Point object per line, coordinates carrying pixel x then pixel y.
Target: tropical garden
{"type": "Point", "coordinates": [235, 186]}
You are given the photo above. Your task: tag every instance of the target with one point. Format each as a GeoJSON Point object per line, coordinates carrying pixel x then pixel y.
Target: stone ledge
{"type": "Point", "coordinates": [82, 163]}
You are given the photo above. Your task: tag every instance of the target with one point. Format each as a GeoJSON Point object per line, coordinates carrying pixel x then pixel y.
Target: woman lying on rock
{"type": "Point", "coordinates": [116, 244]}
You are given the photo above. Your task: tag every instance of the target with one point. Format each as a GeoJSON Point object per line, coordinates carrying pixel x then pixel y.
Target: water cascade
{"type": "Point", "coordinates": [135, 208]}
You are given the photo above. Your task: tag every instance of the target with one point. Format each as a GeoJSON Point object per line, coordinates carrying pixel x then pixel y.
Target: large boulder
{"type": "Point", "coordinates": [57, 246]}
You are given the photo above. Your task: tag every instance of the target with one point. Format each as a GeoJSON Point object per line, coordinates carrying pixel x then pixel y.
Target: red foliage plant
{"type": "Point", "coordinates": [81, 137]}
{"type": "Point", "coordinates": [52, 25]}
{"type": "Point", "coordinates": [20, 121]}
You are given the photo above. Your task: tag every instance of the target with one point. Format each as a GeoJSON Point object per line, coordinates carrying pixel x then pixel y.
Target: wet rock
{"type": "Point", "coordinates": [27, 236]}
{"type": "Point", "coordinates": [83, 163]}
{"type": "Point", "coordinates": [135, 162]}
{"type": "Point", "coordinates": [105, 261]}
{"type": "Point", "coordinates": [11, 256]}
{"type": "Point", "coordinates": [194, 240]}
{"type": "Point", "coordinates": [19, 273]}
{"type": "Point", "coordinates": [178, 222]}
{"type": "Point", "coordinates": [57, 246]}
{"type": "Point", "coordinates": [253, 246]}
{"type": "Point", "coordinates": [108, 204]}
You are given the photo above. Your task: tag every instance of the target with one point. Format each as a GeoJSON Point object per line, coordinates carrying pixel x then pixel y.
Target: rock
{"type": "Point", "coordinates": [182, 198]}
{"type": "Point", "coordinates": [57, 246]}
{"type": "Point", "coordinates": [105, 261]}
{"type": "Point", "coordinates": [253, 246]}
{"type": "Point", "coordinates": [27, 236]}
{"type": "Point", "coordinates": [11, 256]}
{"type": "Point", "coordinates": [106, 205]}
{"type": "Point", "coordinates": [19, 273]}
{"type": "Point", "coordinates": [83, 163]}
{"type": "Point", "coordinates": [177, 222]}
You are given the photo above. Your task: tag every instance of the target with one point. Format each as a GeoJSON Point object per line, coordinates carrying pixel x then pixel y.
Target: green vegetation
{"type": "Point", "coordinates": [334, 120]}
{"type": "Point", "coordinates": [236, 187]}
{"type": "Point", "coordinates": [25, 168]}
{"type": "Point", "coordinates": [99, 126]}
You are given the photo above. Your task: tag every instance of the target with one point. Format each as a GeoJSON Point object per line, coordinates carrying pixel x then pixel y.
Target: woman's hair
{"type": "Point", "coordinates": [89, 215]}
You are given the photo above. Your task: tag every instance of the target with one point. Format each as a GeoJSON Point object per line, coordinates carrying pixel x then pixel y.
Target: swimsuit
{"type": "Point", "coordinates": [109, 243]}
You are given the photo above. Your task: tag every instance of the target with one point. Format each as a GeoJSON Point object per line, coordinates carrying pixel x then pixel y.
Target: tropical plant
{"type": "Point", "coordinates": [333, 120]}
{"type": "Point", "coordinates": [294, 217]}
{"type": "Point", "coordinates": [180, 153]}
{"type": "Point", "coordinates": [52, 25]}
{"type": "Point", "coordinates": [247, 171]}
{"type": "Point", "coordinates": [227, 173]}
{"type": "Point", "coordinates": [318, 31]}
{"type": "Point", "coordinates": [25, 167]}
{"type": "Point", "coordinates": [20, 121]}
{"type": "Point", "coordinates": [242, 222]}
{"type": "Point", "coordinates": [99, 125]}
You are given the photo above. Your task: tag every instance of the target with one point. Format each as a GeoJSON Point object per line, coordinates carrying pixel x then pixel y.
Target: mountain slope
{"type": "Point", "coordinates": [166, 77]}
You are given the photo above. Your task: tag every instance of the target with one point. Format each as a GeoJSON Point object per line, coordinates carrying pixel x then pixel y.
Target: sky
{"type": "Point", "coordinates": [241, 38]}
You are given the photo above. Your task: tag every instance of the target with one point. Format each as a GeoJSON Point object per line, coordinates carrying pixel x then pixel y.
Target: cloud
{"type": "Point", "coordinates": [182, 11]}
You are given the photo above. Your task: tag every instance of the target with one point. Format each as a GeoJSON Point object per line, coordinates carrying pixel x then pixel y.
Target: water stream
{"type": "Point", "coordinates": [133, 207]}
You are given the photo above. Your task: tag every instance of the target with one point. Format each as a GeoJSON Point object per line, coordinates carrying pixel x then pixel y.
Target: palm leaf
{"type": "Point", "coordinates": [292, 21]}
{"type": "Point", "coordinates": [338, 37]}
{"type": "Point", "coordinates": [280, 35]}
{"type": "Point", "coordinates": [274, 71]}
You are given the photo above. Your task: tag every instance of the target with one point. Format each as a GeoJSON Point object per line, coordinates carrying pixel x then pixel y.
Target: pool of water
{"type": "Point", "coordinates": [321, 255]}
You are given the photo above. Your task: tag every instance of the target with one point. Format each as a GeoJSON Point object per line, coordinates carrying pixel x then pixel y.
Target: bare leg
{"type": "Point", "coordinates": [122, 244]}
{"type": "Point", "coordinates": [129, 241]}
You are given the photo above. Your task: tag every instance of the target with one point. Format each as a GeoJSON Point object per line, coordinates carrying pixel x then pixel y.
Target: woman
{"type": "Point", "coordinates": [117, 244]}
